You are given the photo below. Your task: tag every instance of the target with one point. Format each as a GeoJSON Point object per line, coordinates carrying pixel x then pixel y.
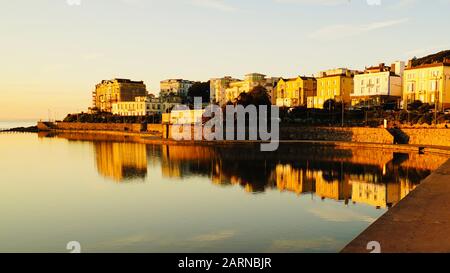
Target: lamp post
{"type": "Point", "coordinates": [343, 109]}
{"type": "Point", "coordinates": [436, 98]}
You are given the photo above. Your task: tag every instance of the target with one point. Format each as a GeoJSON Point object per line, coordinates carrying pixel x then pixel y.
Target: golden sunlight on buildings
{"type": "Point", "coordinates": [335, 84]}
{"type": "Point", "coordinates": [228, 89]}
{"type": "Point", "coordinates": [117, 90]}
{"type": "Point", "coordinates": [175, 87]}
{"type": "Point", "coordinates": [145, 106]}
{"type": "Point", "coordinates": [428, 83]}
{"type": "Point", "coordinates": [379, 85]}
{"type": "Point", "coordinates": [121, 161]}
{"type": "Point", "coordinates": [294, 92]}
{"type": "Point", "coordinates": [218, 89]}
{"type": "Point", "coordinates": [139, 107]}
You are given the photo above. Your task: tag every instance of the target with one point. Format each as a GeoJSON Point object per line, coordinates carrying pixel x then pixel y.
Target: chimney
{"type": "Point", "coordinates": [399, 68]}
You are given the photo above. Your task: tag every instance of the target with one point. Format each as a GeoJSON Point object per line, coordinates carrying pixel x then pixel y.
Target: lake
{"type": "Point", "coordinates": [115, 195]}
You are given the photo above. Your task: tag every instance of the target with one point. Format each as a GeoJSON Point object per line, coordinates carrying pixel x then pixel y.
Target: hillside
{"type": "Point", "coordinates": [433, 58]}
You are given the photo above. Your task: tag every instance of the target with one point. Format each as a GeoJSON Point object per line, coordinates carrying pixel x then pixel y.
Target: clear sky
{"type": "Point", "coordinates": [53, 52]}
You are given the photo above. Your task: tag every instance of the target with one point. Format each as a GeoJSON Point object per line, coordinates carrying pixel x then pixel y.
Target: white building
{"type": "Point", "coordinates": [144, 106]}
{"type": "Point", "coordinates": [184, 116]}
{"type": "Point", "coordinates": [139, 107]}
{"type": "Point", "coordinates": [378, 85]}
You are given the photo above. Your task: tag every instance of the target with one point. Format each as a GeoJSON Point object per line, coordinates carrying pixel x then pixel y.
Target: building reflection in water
{"type": "Point", "coordinates": [121, 161]}
{"type": "Point", "coordinates": [378, 178]}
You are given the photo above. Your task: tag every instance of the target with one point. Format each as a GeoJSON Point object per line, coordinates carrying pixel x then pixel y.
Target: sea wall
{"type": "Point", "coordinates": [353, 134]}
{"type": "Point", "coordinates": [417, 136]}
{"type": "Point", "coordinates": [118, 127]}
{"type": "Point", "coordinates": [438, 137]}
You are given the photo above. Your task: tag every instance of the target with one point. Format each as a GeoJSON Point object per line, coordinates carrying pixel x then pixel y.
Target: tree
{"type": "Point", "coordinates": [199, 89]}
{"type": "Point", "coordinates": [329, 105]}
{"type": "Point", "coordinates": [414, 106]}
{"type": "Point", "coordinates": [257, 96]}
{"type": "Point", "coordinates": [260, 96]}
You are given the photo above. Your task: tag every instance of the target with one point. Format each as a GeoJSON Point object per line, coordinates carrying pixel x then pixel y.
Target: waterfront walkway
{"type": "Point", "coordinates": [420, 223]}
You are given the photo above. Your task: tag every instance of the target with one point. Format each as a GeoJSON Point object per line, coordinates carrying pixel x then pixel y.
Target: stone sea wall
{"type": "Point", "coordinates": [424, 136]}
{"type": "Point", "coordinates": [437, 137]}
{"type": "Point", "coordinates": [117, 127]}
{"type": "Point", "coordinates": [353, 134]}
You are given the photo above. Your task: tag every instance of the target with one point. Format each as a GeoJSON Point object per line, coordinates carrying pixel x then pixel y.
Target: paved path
{"type": "Point", "coordinates": [420, 223]}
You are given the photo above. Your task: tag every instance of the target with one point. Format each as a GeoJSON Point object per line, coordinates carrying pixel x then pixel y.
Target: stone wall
{"type": "Point", "coordinates": [122, 127]}
{"type": "Point", "coordinates": [156, 129]}
{"type": "Point", "coordinates": [118, 127]}
{"type": "Point", "coordinates": [354, 134]}
{"type": "Point", "coordinates": [437, 137]}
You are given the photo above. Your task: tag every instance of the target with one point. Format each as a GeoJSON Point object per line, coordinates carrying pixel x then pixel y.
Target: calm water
{"type": "Point", "coordinates": [118, 196]}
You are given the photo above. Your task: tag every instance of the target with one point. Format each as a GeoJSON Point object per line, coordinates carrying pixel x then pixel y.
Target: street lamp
{"type": "Point", "coordinates": [436, 97]}
{"type": "Point", "coordinates": [343, 108]}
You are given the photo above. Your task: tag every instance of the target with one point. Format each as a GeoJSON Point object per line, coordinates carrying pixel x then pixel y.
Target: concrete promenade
{"type": "Point", "coordinates": [420, 223]}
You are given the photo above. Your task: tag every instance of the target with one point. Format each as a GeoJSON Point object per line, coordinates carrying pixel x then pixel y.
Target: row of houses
{"type": "Point", "coordinates": [397, 85]}
{"type": "Point", "coordinates": [426, 80]}
{"type": "Point", "coordinates": [125, 97]}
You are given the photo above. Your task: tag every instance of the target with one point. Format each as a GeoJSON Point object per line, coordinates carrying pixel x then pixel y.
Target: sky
{"type": "Point", "coordinates": [53, 52]}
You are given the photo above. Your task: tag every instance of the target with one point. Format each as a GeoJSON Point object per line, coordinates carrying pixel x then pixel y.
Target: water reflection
{"type": "Point", "coordinates": [380, 178]}
{"type": "Point", "coordinates": [121, 161]}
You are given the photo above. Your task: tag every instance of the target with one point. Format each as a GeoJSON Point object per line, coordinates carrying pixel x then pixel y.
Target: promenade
{"type": "Point", "coordinates": [420, 223]}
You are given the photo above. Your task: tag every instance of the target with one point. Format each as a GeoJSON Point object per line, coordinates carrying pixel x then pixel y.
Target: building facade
{"type": "Point", "coordinates": [117, 90]}
{"type": "Point", "coordinates": [177, 87]}
{"type": "Point", "coordinates": [235, 88]}
{"type": "Point", "coordinates": [294, 92]}
{"type": "Point", "coordinates": [428, 83]}
{"type": "Point", "coordinates": [166, 104]}
{"type": "Point", "coordinates": [137, 108]}
{"type": "Point", "coordinates": [145, 106]}
{"type": "Point", "coordinates": [192, 116]}
{"type": "Point", "coordinates": [335, 84]}
{"type": "Point", "coordinates": [379, 85]}
{"type": "Point", "coordinates": [218, 88]}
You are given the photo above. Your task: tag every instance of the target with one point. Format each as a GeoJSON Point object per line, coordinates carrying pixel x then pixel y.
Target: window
{"type": "Point", "coordinates": [433, 85]}
{"type": "Point", "coordinates": [411, 87]}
